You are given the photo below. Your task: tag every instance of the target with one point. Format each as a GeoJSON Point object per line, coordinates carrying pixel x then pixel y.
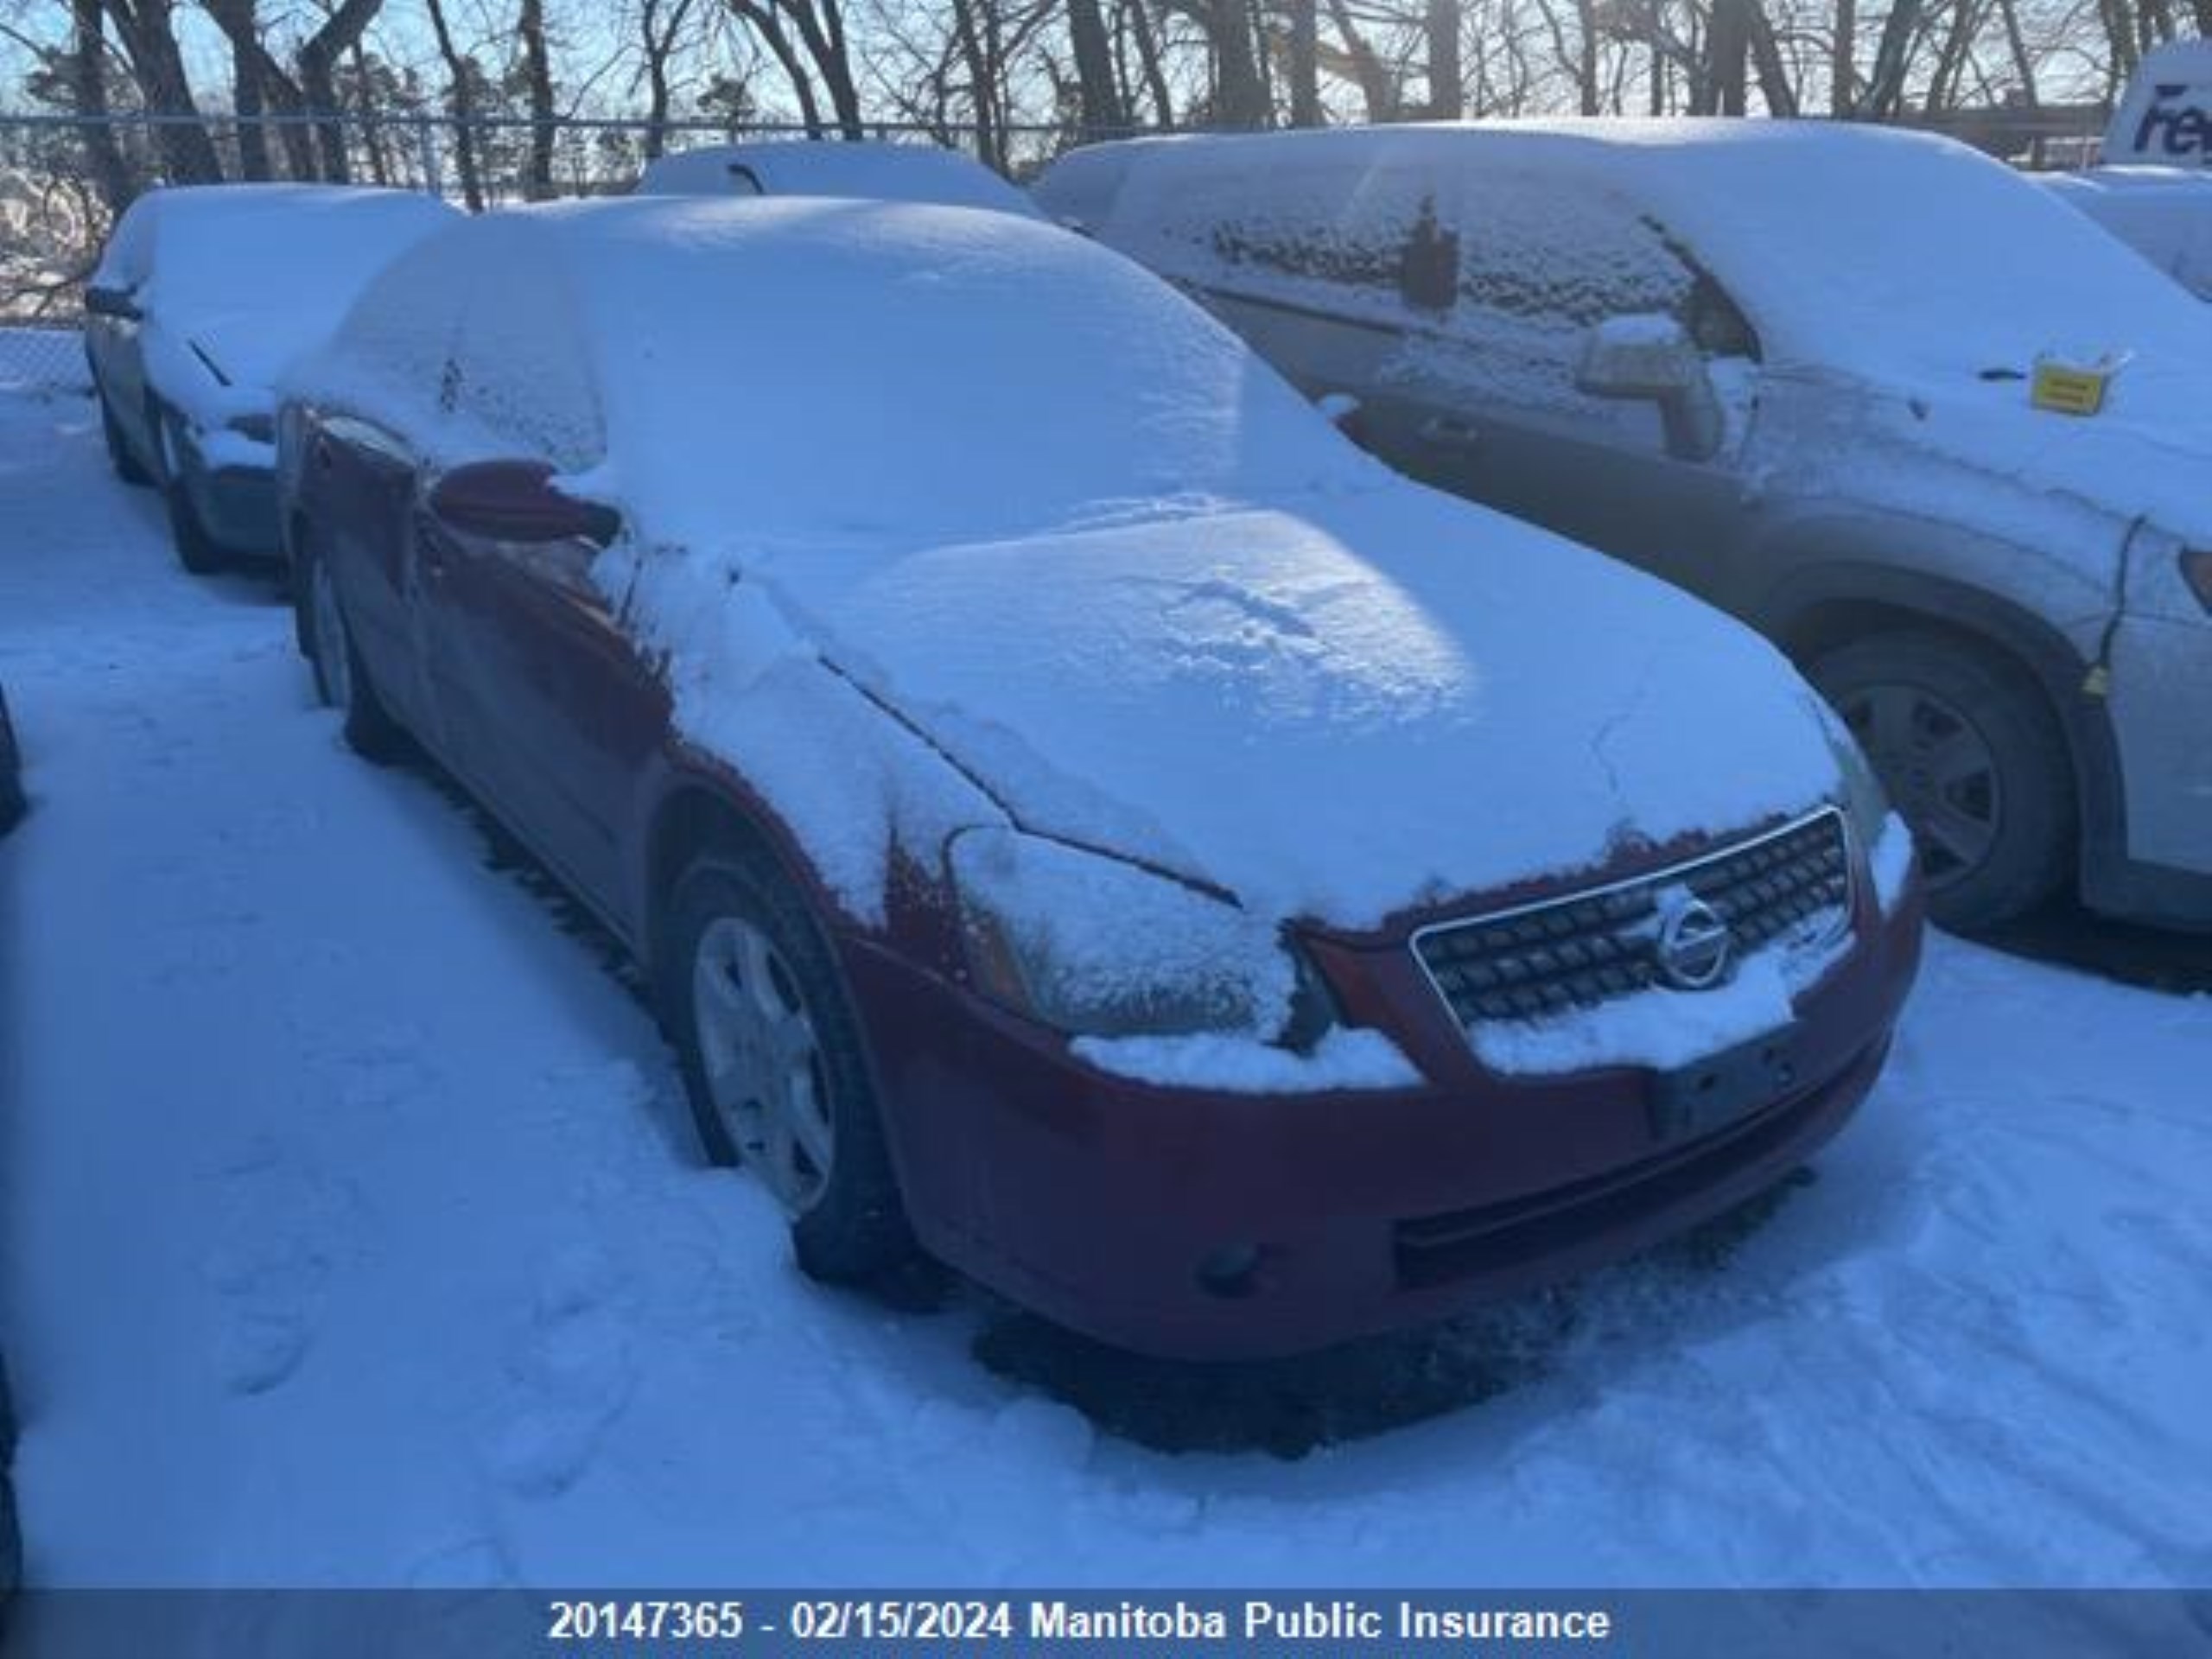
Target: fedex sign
{"type": "Point", "coordinates": [2165, 118]}
{"type": "Point", "coordinates": [2175, 128]}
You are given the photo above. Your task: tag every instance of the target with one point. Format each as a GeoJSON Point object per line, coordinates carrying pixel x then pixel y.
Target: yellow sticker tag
{"type": "Point", "coordinates": [2070, 388]}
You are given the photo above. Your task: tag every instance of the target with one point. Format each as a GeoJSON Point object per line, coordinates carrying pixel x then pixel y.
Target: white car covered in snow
{"type": "Point", "coordinates": [1073, 808]}
{"type": "Point", "coordinates": [202, 297]}
{"type": "Point", "coordinates": [1936, 433]}
{"type": "Point", "coordinates": [855, 169]}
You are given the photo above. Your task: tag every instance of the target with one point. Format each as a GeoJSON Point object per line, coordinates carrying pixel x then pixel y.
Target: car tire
{"type": "Point", "coordinates": [752, 998]}
{"type": "Point", "coordinates": [127, 466]}
{"type": "Point", "coordinates": [196, 551]}
{"type": "Point", "coordinates": [1972, 756]}
{"type": "Point", "coordinates": [342, 679]}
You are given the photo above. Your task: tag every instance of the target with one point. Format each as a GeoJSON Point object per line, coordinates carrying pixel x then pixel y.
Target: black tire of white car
{"type": "Point", "coordinates": [118, 448]}
{"type": "Point", "coordinates": [343, 684]}
{"type": "Point", "coordinates": [852, 1228]}
{"type": "Point", "coordinates": [196, 551]}
{"type": "Point", "coordinates": [1932, 684]}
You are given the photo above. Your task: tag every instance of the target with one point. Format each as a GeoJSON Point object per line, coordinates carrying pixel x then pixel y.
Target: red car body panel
{"type": "Point", "coordinates": [1089, 1196]}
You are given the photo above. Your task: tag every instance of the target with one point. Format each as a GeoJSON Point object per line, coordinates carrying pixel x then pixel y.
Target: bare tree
{"type": "Point", "coordinates": [461, 98]}
{"type": "Point", "coordinates": [807, 38]}
{"type": "Point", "coordinates": [538, 77]}
{"type": "Point", "coordinates": [1446, 95]}
{"type": "Point", "coordinates": [660, 29]}
{"type": "Point", "coordinates": [149, 38]}
{"type": "Point", "coordinates": [87, 73]}
{"type": "Point", "coordinates": [1100, 103]}
{"type": "Point", "coordinates": [318, 58]}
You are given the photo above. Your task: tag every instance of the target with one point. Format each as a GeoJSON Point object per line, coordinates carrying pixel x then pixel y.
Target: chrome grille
{"type": "Point", "coordinates": [1589, 947]}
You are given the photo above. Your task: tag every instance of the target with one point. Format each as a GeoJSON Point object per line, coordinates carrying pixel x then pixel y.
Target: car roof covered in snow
{"type": "Point", "coordinates": [218, 239]}
{"type": "Point", "coordinates": [870, 170]}
{"type": "Point", "coordinates": [1881, 251]}
{"type": "Point", "coordinates": [812, 367]}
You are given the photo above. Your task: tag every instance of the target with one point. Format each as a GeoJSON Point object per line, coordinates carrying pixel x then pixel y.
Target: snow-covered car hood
{"type": "Point", "coordinates": [1975, 453]}
{"type": "Point", "coordinates": [1339, 712]}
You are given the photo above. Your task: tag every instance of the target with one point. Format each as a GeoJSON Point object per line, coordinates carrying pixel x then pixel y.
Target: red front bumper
{"type": "Point", "coordinates": [1093, 1200]}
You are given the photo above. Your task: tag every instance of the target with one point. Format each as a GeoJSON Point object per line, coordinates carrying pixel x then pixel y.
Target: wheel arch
{"type": "Point", "coordinates": [1829, 606]}
{"type": "Point", "coordinates": [694, 814]}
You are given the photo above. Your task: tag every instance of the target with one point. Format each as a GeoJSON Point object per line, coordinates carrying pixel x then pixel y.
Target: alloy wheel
{"type": "Point", "coordinates": [763, 1061]}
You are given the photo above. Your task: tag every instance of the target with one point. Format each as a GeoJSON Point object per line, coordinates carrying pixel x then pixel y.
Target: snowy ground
{"type": "Point", "coordinates": [355, 1236]}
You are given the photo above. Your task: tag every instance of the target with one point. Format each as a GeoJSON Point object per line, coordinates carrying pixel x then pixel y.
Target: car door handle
{"type": "Point", "coordinates": [1448, 432]}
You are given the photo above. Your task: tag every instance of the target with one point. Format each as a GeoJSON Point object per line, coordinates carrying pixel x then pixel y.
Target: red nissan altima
{"type": "Point", "coordinates": [1079, 816]}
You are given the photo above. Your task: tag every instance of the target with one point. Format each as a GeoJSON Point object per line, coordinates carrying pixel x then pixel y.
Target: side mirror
{"type": "Point", "coordinates": [515, 501]}
{"type": "Point", "coordinates": [112, 302]}
{"type": "Point", "coordinates": [1650, 359]}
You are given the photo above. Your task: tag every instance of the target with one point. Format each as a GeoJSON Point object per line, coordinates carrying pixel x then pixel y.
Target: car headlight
{"type": "Point", "coordinates": [1866, 804]}
{"type": "Point", "coordinates": [1093, 946]}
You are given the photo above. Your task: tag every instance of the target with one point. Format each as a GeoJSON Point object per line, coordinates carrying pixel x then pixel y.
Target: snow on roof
{"type": "Point", "coordinates": [256, 273]}
{"type": "Point", "coordinates": [1861, 247]}
{"type": "Point", "coordinates": [843, 168]}
{"type": "Point", "coordinates": [848, 370]}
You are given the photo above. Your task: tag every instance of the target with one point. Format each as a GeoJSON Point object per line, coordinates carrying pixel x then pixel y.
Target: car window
{"type": "Point", "coordinates": [1565, 255]}
{"type": "Point", "coordinates": [1542, 262]}
{"type": "Point", "coordinates": [1367, 235]}
{"type": "Point", "coordinates": [393, 352]}
{"type": "Point", "coordinates": [520, 374]}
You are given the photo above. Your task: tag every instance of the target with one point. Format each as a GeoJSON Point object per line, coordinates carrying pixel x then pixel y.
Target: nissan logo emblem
{"type": "Point", "coordinates": [1694, 947]}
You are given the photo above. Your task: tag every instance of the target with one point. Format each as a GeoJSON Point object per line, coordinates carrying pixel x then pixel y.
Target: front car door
{"type": "Point", "coordinates": [1489, 403]}
{"type": "Point", "coordinates": [549, 711]}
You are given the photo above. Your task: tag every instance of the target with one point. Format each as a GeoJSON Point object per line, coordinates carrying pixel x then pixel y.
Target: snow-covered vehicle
{"type": "Point", "coordinates": [202, 295]}
{"type": "Point", "coordinates": [1934, 432]}
{"type": "Point", "coordinates": [853, 169]}
{"type": "Point", "coordinates": [1073, 808]}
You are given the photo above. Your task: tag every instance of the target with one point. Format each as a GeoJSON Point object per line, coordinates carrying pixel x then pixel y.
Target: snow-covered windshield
{"type": "Point", "coordinates": [1903, 257]}
{"type": "Point", "coordinates": [865, 371]}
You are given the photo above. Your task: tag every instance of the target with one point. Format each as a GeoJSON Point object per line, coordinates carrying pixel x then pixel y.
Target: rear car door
{"type": "Point", "coordinates": [1328, 272]}
{"type": "Point", "coordinates": [1498, 412]}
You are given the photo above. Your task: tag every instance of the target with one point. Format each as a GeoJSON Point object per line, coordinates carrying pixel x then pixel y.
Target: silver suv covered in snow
{"type": "Point", "coordinates": [1817, 374]}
